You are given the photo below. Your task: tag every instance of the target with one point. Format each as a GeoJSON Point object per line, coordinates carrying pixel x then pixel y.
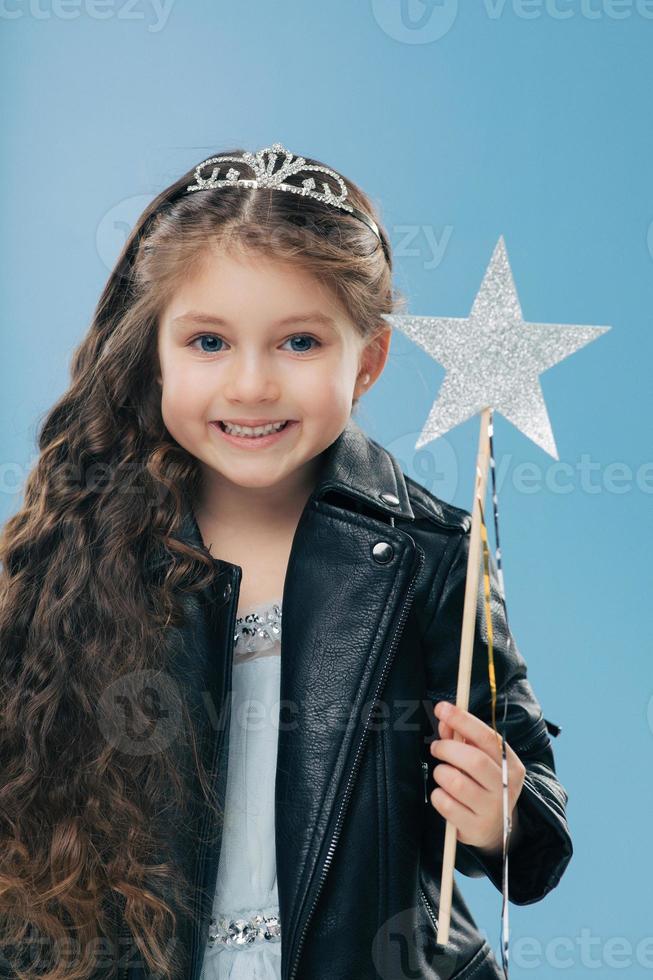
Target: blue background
{"type": "Point", "coordinates": [530, 120]}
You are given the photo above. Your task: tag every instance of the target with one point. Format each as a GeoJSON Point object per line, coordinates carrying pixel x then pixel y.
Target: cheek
{"type": "Point", "coordinates": [329, 389]}
{"type": "Point", "coordinates": [324, 402]}
{"type": "Point", "coordinates": [183, 405]}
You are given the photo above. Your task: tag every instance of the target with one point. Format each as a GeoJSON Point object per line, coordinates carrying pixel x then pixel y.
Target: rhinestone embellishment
{"type": "Point", "coordinates": [265, 625]}
{"type": "Point", "coordinates": [260, 170]}
{"type": "Point", "coordinates": [243, 932]}
{"type": "Point", "coordinates": [262, 167]}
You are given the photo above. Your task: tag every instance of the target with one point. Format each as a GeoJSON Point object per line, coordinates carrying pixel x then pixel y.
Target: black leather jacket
{"type": "Point", "coordinates": [372, 613]}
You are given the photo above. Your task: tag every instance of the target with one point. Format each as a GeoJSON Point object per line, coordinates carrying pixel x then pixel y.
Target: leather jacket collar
{"type": "Point", "coordinates": [356, 465]}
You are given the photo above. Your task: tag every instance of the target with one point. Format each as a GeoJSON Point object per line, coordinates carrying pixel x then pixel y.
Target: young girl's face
{"type": "Point", "coordinates": [252, 340]}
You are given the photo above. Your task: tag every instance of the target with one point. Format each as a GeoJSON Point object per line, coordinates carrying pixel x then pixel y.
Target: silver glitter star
{"type": "Point", "coordinates": [493, 358]}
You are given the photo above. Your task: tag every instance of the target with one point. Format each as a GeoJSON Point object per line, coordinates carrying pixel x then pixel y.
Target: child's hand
{"type": "Point", "coordinates": [470, 790]}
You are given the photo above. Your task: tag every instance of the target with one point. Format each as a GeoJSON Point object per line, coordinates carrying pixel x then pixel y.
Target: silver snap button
{"type": "Point", "coordinates": [389, 498]}
{"type": "Point", "coordinates": [227, 591]}
{"type": "Point", "coordinates": [383, 552]}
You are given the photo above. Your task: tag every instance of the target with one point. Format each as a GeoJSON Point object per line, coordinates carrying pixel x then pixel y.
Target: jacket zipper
{"type": "Point", "coordinates": [216, 749]}
{"type": "Point", "coordinates": [429, 907]}
{"type": "Point", "coordinates": [336, 834]}
{"type": "Point", "coordinates": [425, 770]}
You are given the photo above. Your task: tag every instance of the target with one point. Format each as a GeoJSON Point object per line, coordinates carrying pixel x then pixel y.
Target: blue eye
{"type": "Point", "coordinates": [303, 336]}
{"type": "Point", "coordinates": [213, 339]}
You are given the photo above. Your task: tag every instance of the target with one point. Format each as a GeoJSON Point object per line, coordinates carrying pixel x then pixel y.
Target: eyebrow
{"type": "Point", "coordinates": [202, 319]}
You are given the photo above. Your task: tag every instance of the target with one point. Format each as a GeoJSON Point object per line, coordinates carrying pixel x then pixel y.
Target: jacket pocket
{"type": "Point", "coordinates": [483, 960]}
{"type": "Point", "coordinates": [481, 964]}
{"type": "Point", "coordinates": [424, 769]}
{"type": "Point", "coordinates": [382, 825]}
{"type": "Point", "coordinates": [427, 763]}
{"type": "Point", "coordinates": [430, 911]}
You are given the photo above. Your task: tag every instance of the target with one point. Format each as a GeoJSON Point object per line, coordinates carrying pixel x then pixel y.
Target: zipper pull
{"type": "Point", "coordinates": [425, 770]}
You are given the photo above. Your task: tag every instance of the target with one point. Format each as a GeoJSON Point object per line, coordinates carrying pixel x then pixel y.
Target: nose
{"type": "Point", "coordinates": [251, 379]}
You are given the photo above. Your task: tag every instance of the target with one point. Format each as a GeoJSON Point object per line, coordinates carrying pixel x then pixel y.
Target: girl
{"type": "Point", "coordinates": [202, 491]}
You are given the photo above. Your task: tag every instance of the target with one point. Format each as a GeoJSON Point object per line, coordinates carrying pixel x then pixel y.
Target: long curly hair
{"type": "Point", "coordinates": [81, 602]}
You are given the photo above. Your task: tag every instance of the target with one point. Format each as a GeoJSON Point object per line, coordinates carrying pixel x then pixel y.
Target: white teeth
{"type": "Point", "coordinates": [258, 430]}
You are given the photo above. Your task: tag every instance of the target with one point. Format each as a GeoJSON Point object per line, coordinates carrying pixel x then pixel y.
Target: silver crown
{"type": "Point", "coordinates": [262, 165]}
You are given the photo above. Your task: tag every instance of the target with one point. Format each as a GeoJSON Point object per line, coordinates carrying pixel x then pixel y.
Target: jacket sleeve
{"type": "Point", "coordinates": [543, 850]}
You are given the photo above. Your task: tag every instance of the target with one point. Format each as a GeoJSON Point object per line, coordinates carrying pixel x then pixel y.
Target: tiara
{"type": "Point", "coordinates": [262, 165]}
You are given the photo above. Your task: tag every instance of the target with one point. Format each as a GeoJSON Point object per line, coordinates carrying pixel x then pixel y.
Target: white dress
{"type": "Point", "coordinates": [244, 936]}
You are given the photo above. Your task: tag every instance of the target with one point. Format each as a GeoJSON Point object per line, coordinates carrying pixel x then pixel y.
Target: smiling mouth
{"type": "Point", "coordinates": [253, 432]}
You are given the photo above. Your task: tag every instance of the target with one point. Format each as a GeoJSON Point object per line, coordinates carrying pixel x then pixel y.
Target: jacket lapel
{"type": "Point", "coordinates": [363, 470]}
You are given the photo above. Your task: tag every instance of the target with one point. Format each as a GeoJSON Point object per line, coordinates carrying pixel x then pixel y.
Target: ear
{"type": "Point", "coordinates": [373, 358]}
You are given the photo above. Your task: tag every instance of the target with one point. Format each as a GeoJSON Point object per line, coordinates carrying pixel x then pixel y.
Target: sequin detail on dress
{"type": "Point", "coordinates": [242, 932]}
{"type": "Point", "coordinates": [262, 623]}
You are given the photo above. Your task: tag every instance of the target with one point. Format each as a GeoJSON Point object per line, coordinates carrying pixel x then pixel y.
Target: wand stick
{"type": "Point", "coordinates": [465, 663]}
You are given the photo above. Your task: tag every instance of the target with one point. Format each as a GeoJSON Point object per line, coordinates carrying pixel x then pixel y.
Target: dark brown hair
{"type": "Point", "coordinates": [80, 606]}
